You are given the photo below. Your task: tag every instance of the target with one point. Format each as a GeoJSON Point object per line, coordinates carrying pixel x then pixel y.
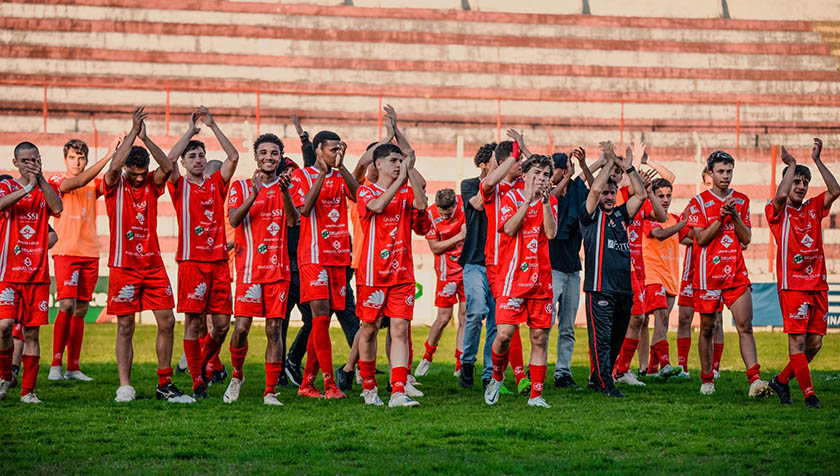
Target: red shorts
{"type": "Point", "coordinates": [710, 301]}
{"type": "Point", "coordinates": [491, 280]}
{"type": "Point", "coordinates": [638, 297]}
{"type": "Point", "coordinates": [26, 303]}
{"type": "Point", "coordinates": [373, 302]}
{"type": "Point", "coordinates": [75, 277]}
{"type": "Point", "coordinates": [535, 312]}
{"type": "Point", "coordinates": [804, 312]}
{"type": "Point", "coordinates": [132, 290]}
{"type": "Point", "coordinates": [447, 293]}
{"type": "Point", "coordinates": [17, 331]}
{"type": "Point", "coordinates": [266, 300]}
{"type": "Point", "coordinates": [686, 297]}
{"type": "Point", "coordinates": [204, 286]}
{"type": "Point", "coordinates": [655, 298]}
{"type": "Point", "coordinates": [324, 282]}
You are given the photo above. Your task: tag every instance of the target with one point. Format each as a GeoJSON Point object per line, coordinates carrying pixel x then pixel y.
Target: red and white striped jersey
{"type": "Point", "coordinates": [24, 232]}
{"type": "Point", "coordinates": [132, 219]}
{"type": "Point", "coordinates": [800, 257]}
{"type": "Point", "coordinates": [260, 250]}
{"type": "Point", "coordinates": [200, 211]}
{"type": "Point", "coordinates": [446, 264]}
{"type": "Point", "coordinates": [324, 234]}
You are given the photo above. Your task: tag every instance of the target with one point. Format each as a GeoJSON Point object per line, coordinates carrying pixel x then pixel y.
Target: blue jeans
{"type": "Point", "coordinates": [480, 306]}
{"type": "Point", "coordinates": [566, 300]}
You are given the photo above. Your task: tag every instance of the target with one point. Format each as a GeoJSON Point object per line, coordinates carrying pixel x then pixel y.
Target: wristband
{"type": "Point", "coordinates": [516, 152]}
{"type": "Point", "coordinates": [29, 187]}
{"type": "Point", "coordinates": [630, 169]}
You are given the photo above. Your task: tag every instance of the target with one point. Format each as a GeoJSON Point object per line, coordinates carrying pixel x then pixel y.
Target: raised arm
{"type": "Point", "coordinates": [306, 149]}
{"type": "Point", "coordinates": [289, 208]}
{"type": "Point", "coordinates": [181, 146]}
{"type": "Point", "coordinates": [634, 203]}
{"type": "Point", "coordinates": [378, 204]}
{"type": "Point", "coordinates": [580, 155]}
{"type": "Point", "coordinates": [90, 173]}
{"type": "Point", "coordinates": [421, 202]}
{"type": "Point", "coordinates": [239, 213]}
{"type": "Point", "coordinates": [349, 179]}
{"type": "Point", "coordinates": [598, 185]}
{"type": "Point", "coordinates": [367, 158]}
{"type": "Point", "coordinates": [165, 166]}
{"type": "Point", "coordinates": [232, 160]}
{"type": "Point", "coordinates": [112, 176]}
{"type": "Point", "coordinates": [402, 143]}
{"type": "Point", "coordinates": [660, 168]}
{"type": "Point", "coordinates": [520, 141]}
{"type": "Point", "coordinates": [50, 195]}
{"type": "Point", "coordinates": [783, 190]}
{"type": "Point", "coordinates": [563, 184]}
{"type": "Point", "coordinates": [832, 187]}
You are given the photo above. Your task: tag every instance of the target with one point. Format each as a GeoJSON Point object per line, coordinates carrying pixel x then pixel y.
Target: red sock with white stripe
{"type": "Point", "coordinates": [500, 362]}
{"type": "Point", "coordinates": [458, 354]}
{"type": "Point", "coordinates": [753, 373]}
{"type": "Point", "coordinates": [399, 375]}
{"type": "Point", "coordinates": [716, 356]}
{"type": "Point", "coordinates": [30, 373]}
{"type": "Point", "coordinates": [61, 332]}
{"type": "Point", "coordinates": [517, 362]}
{"type": "Point", "coordinates": [803, 374]}
{"type": "Point", "coordinates": [192, 349]}
{"type": "Point", "coordinates": [237, 360]}
{"type": "Point", "coordinates": [367, 370]}
{"type": "Point", "coordinates": [625, 356]}
{"type": "Point", "coordinates": [74, 343]}
{"type": "Point", "coordinates": [323, 348]}
{"type": "Point", "coordinates": [272, 375]}
{"type": "Point", "coordinates": [663, 351]}
{"type": "Point", "coordinates": [537, 380]}
{"type": "Point", "coordinates": [683, 348]}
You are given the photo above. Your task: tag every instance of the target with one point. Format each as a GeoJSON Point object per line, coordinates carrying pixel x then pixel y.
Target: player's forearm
{"type": "Point", "coordinates": [498, 174]}
{"type": "Point", "coordinates": [50, 196]}
{"type": "Point", "coordinates": [312, 195]}
{"type": "Point", "coordinates": [420, 200]}
{"type": "Point", "coordinates": [783, 191]}
{"type": "Point", "coordinates": [349, 181]}
{"type": "Point", "coordinates": [704, 236]}
{"type": "Point", "coordinates": [514, 223]}
{"type": "Point", "coordinates": [743, 232]}
{"type": "Point", "coordinates": [377, 205]}
{"type": "Point", "coordinates": [84, 178]}
{"type": "Point", "coordinates": [289, 208]}
{"type": "Point", "coordinates": [120, 156]}
{"type": "Point", "coordinates": [238, 214]}
{"type": "Point", "coordinates": [831, 185]}
{"type": "Point", "coordinates": [659, 212]}
{"type": "Point", "coordinates": [440, 247]}
{"type": "Point", "coordinates": [663, 171]}
{"type": "Point", "coordinates": [663, 234]}
{"type": "Point", "coordinates": [548, 221]}
{"type": "Point", "coordinates": [7, 201]}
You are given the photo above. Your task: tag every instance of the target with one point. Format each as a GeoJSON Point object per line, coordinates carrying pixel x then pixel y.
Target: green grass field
{"type": "Point", "coordinates": [662, 428]}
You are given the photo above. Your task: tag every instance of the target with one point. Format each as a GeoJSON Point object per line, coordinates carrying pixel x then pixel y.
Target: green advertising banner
{"type": "Point", "coordinates": [97, 302]}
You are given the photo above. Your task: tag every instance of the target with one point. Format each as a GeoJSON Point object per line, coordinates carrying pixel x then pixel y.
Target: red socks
{"type": "Point", "coordinates": [653, 361]}
{"type": "Point", "coordinates": [6, 363]}
{"type": "Point", "coordinates": [707, 378]}
{"type": "Point", "coordinates": [192, 349]}
{"type": "Point", "coordinates": [310, 370]}
{"type": "Point", "coordinates": [399, 375]}
{"type": "Point", "coordinates": [517, 363]}
{"type": "Point", "coordinates": [683, 347]}
{"type": "Point", "coordinates": [663, 352]}
{"type": "Point", "coordinates": [718, 353]}
{"type": "Point", "coordinates": [787, 374]}
{"type": "Point", "coordinates": [537, 380]}
{"type": "Point", "coordinates": [323, 347]}
{"type": "Point", "coordinates": [61, 332]}
{"type": "Point", "coordinates": [500, 362]}
{"type": "Point", "coordinates": [458, 354]}
{"type": "Point", "coordinates": [799, 363]}
{"type": "Point", "coordinates": [237, 360]}
{"type": "Point", "coordinates": [210, 351]}
{"type": "Point", "coordinates": [753, 373]}
{"type": "Point", "coordinates": [625, 356]}
{"type": "Point", "coordinates": [30, 373]}
{"type": "Point", "coordinates": [430, 352]}
{"type": "Point", "coordinates": [367, 370]}
{"type": "Point", "coordinates": [164, 376]}
{"type": "Point", "coordinates": [74, 343]}
{"type": "Point", "coordinates": [272, 375]}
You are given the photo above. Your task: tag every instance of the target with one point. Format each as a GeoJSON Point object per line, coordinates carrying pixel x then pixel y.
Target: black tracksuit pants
{"type": "Point", "coordinates": [607, 318]}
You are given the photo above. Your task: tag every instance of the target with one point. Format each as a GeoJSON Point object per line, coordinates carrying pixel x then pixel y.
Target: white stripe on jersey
{"type": "Point", "coordinates": [118, 213]}
{"type": "Point", "coordinates": [4, 257]}
{"type": "Point", "coordinates": [496, 236]}
{"type": "Point", "coordinates": [371, 236]}
{"type": "Point", "coordinates": [313, 222]}
{"type": "Point", "coordinates": [687, 264]}
{"type": "Point", "coordinates": [249, 239]}
{"type": "Point", "coordinates": [185, 219]}
{"type": "Point", "coordinates": [785, 245]}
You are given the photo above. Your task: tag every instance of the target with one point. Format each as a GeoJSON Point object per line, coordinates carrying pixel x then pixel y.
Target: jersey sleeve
{"type": "Point", "coordinates": [696, 218]}
{"type": "Point", "coordinates": [158, 190]}
{"type": "Point", "coordinates": [173, 187]}
{"type": "Point", "coordinates": [57, 180]}
{"type": "Point", "coordinates": [55, 188]}
{"type": "Point", "coordinates": [5, 188]}
{"type": "Point", "coordinates": [587, 218]}
{"type": "Point", "coordinates": [363, 197]}
{"type": "Point", "coordinates": [299, 187]}
{"type": "Point", "coordinates": [773, 216]}
{"type": "Point", "coordinates": [819, 206]}
{"type": "Point", "coordinates": [421, 222]}
{"type": "Point", "coordinates": [486, 196]}
{"type": "Point", "coordinates": [432, 234]}
{"type": "Point", "coordinates": [650, 225]}
{"type": "Point", "coordinates": [553, 202]}
{"type": "Point", "coordinates": [236, 195]}
{"type": "Point", "coordinates": [506, 211]}
{"type": "Point", "coordinates": [99, 187]}
{"type": "Point", "coordinates": [745, 212]}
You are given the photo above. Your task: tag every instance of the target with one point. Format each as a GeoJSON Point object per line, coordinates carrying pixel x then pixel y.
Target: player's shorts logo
{"type": "Point", "coordinates": [449, 289]}
{"type": "Point", "coordinates": [199, 292]}
{"type": "Point", "coordinates": [43, 306]}
{"type": "Point", "coordinates": [253, 294]}
{"type": "Point", "coordinates": [325, 234]}
{"type": "Point", "coordinates": [801, 313]}
{"type": "Point", "coordinates": [798, 259]}
{"type": "Point", "coordinates": [687, 291]}
{"type": "Point", "coordinates": [74, 279]}
{"type": "Point", "coordinates": [375, 300]}
{"type": "Point", "coordinates": [282, 296]}
{"type": "Point", "coordinates": [323, 279]}
{"type": "Point", "coordinates": [7, 297]}
{"type": "Point", "coordinates": [27, 232]}
{"type": "Point", "coordinates": [512, 304]}
{"type": "Point", "coordinates": [409, 300]}
{"type": "Point", "coordinates": [126, 294]}
{"type": "Point", "coordinates": [334, 215]}
{"type": "Point", "coordinates": [168, 290]}
{"type": "Point", "coordinates": [712, 294]}
{"type": "Point", "coordinates": [549, 308]}
{"type": "Point", "coordinates": [199, 230]}
{"type": "Point", "coordinates": [343, 291]}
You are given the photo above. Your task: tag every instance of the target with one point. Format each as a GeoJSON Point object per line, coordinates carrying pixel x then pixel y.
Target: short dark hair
{"type": "Point", "coordinates": [660, 183]}
{"type": "Point", "coordinates": [25, 146]}
{"type": "Point", "coordinates": [138, 157]}
{"type": "Point", "coordinates": [385, 150]}
{"type": "Point", "coordinates": [371, 145]}
{"type": "Point", "coordinates": [612, 183]}
{"type": "Point", "coordinates": [484, 153]}
{"type": "Point", "coordinates": [561, 160]}
{"type": "Point", "coordinates": [322, 137]}
{"type": "Point", "coordinates": [503, 150]}
{"type": "Point", "coordinates": [717, 157]}
{"type": "Point", "coordinates": [799, 171]}
{"type": "Point", "coordinates": [268, 138]}
{"type": "Point", "coordinates": [445, 198]}
{"type": "Point", "coordinates": [5, 177]}
{"type": "Point", "coordinates": [537, 160]}
{"type": "Point", "coordinates": [193, 144]}
{"type": "Point", "coordinates": [77, 145]}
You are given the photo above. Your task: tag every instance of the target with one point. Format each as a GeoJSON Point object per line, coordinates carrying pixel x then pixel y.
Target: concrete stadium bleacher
{"type": "Point", "coordinates": [457, 78]}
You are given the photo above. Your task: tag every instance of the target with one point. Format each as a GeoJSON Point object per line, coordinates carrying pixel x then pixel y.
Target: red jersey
{"type": "Point", "coordinates": [524, 262]}
{"type": "Point", "coordinates": [24, 232]}
{"type": "Point", "coordinates": [800, 258]}
{"type": "Point", "coordinates": [260, 248]}
{"type": "Point", "coordinates": [324, 234]}
{"type": "Point", "coordinates": [635, 233]}
{"type": "Point", "coordinates": [446, 264]}
{"type": "Point", "coordinates": [200, 209]}
{"type": "Point", "coordinates": [386, 258]}
{"type": "Point", "coordinates": [132, 223]}
{"type": "Point", "coordinates": [720, 264]}
{"type": "Point", "coordinates": [492, 208]}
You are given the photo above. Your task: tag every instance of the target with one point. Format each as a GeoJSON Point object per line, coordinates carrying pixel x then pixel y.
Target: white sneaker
{"type": "Point", "coordinates": [55, 373]}
{"type": "Point", "coordinates": [707, 388]}
{"type": "Point", "coordinates": [457, 373]}
{"type": "Point", "coordinates": [538, 402]}
{"type": "Point", "coordinates": [232, 392]}
{"type": "Point", "coordinates": [683, 375]}
{"type": "Point", "coordinates": [400, 399]}
{"type": "Point", "coordinates": [271, 399]}
{"type": "Point", "coordinates": [717, 374]}
{"type": "Point", "coordinates": [372, 397]}
{"type": "Point", "coordinates": [182, 364]}
{"type": "Point", "coordinates": [410, 379]}
{"type": "Point", "coordinates": [760, 388]}
{"type": "Point", "coordinates": [491, 394]}
{"type": "Point", "coordinates": [629, 378]}
{"type": "Point", "coordinates": [125, 393]}
{"type": "Point", "coordinates": [5, 385]}
{"type": "Point", "coordinates": [30, 398]}
{"type": "Point", "coordinates": [412, 391]}
{"type": "Point", "coordinates": [77, 375]}
{"type": "Point", "coordinates": [423, 368]}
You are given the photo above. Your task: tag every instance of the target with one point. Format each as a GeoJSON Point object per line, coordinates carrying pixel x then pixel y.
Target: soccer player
{"type": "Point", "coordinates": [261, 208]}
{"type": "Point", "coordinates": [528, 220]}
{"type": "Point", "coordinates": [76, 257]}
{"type": "Point", "coordinates": [446, 240]}
{"type": "Point", "coordinates": [385, 277]}
{"type": "Point", "coordinates": [138, 279]}
{"type": "Point", "coordinates": [721, 221]}
{"type": "Point", "coordinates": [26, 203]}
{"type": "Point", "coordinates": [321, 193]}
{"type": "Point", "coordinates": [796, 225]}
{"type": "Point", "coordinates": [498, 182]}
{"type": "Point", "coordinates": [662, 267]}
{"type": "Point", "coordinates": [203, 270]}
{"type": "Point", "coordinates": [608, 273]}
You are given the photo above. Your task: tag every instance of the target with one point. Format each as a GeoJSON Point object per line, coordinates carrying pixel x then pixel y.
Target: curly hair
{"type": "Point", "coordinates": [484, 153]}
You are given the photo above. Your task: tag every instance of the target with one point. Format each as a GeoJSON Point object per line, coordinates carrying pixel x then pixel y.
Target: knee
{"type": "Point", "coordinates": [539, 338]}
{"type": "Point", "coordinates": [31, 334]}
{"type": "Point", "coordinates": [67, 305]}
{"type": "Point", "coordinates": [744, 327]}
{"type": "Point", "coordinates": [504, 334]}
{"type": "Point", "coordinates": [707, 329]}
{"type": "Point", "coordinates": [125, 327]}
{"type": "Point", "coordinates": [274, 330]}
{"type": "Point", "coordinates": [220, 329]}
{"type": "Point", "coordinates": [812, 346]}
{"type": "Point", "coordinates": [193, 322]}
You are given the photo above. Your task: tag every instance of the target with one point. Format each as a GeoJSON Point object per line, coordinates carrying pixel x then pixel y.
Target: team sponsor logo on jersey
{"type": "Point", "coordinates": [807, 241]}
{"type": "Point", "coordinates": [726, 241]}
{"type": "Point", "coordinates": [140, 218]}
{"type": "Point", "coordinates": [709, 203]}
{"type": "Point", "coordinates": [325, 234]}
{"type": "Point", "coordinates": [74, 279]}
{"type": "Point", "coordinates": [393, 233]}
{"type": "Point", "coordinates": [27, 232]}
{"type": "Point", "coordinates": [632, 236]}
{"type": "Point", "coordinates": [27, 262]}
{"type": "Point", "coordinates": [210, 241]}
{"type": "Point", "coordinates": [409, 300]}
{"type": "Point", "coordinates": [17, 249]}
{"type": "Point", "coordinates": [512, 304]}
{"type": "Point", "coordinates": [393, 219]}
{"type": "Point", "coordinates": [532, 245]}
{"type": "Point", "coordinates": [199, 230]}
{"type": "Point", "coordinates": [535, 277]}
{"type": "Point", "coordinates": [208, 214]}
{"type": "Point", "coordinates": [262, 248]}
{"type": "Point", "coordinates": [375, 300]}
{"type": "Point", "coordinates": [199, 291]}
{"type": "Point", "coordinates": [139, 247]}
{"type": "Point", "coordinates": [334, 215]}
{"type": "Point", "coordinates": [273, 228]}
{"type": "Point", "coordinates": [126, 294]}
{"type": "Point", "coordinates": [7, 297]}
{"type": "Point", "coordinates": [273, 259]}
{"type": "Point", "coordinates": [716, 260]}
{"type": "Point", "coordinates": [812, 214]}
{"type": "Point", "coordinates": [449, 289]}
{"type": "Point", "coordinates": [129, 235]}
{"type": "Point", "coordinates": [798, 258]}
{"type": "Point", "coordinates": [336, 245]}
{"type": "Point", "coordinates": [523, 267]}
{"type": "Point", "coordinates": [364, 193]}
{"type": "Point", "coordinates": [253, 294]}
{"type": "Point", "coordinates": [505, 210]}
{"type": "Point", "coordinates": [602, 303]}
{"type": "Point", "coordinates": [809, 270]}
{"type": "Point", "coordinates": [322, 280]}
{"type": "Point", "coordinates": [727, 270]}
{"type": "Point", "coordinates": [614, 245]}
{"type": "Point", "coordinates": [384, 254]}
